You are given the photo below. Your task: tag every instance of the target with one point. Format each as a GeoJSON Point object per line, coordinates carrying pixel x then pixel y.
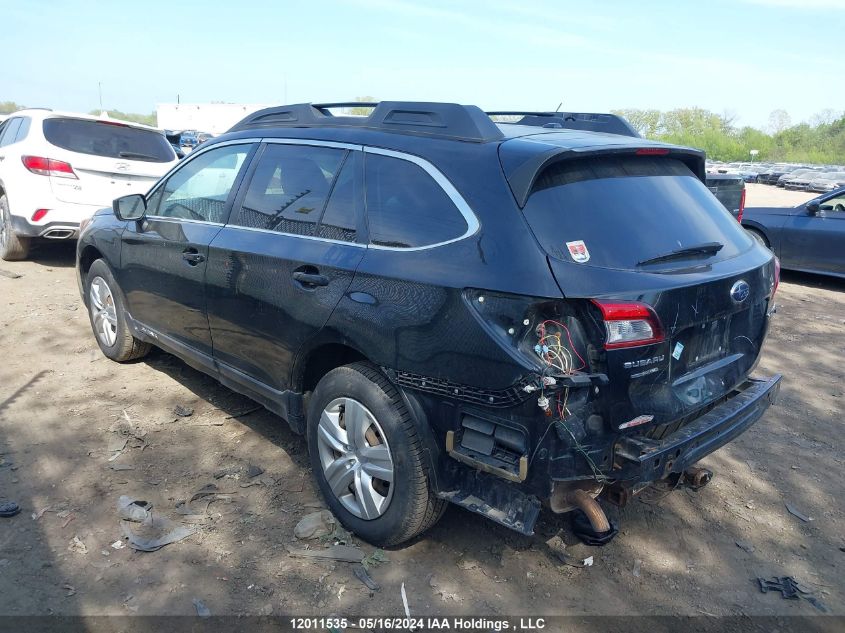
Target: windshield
{"type": "Point", "coordinates": [614, 212]}
{"type": "Point", "coordinates": [112, 140]}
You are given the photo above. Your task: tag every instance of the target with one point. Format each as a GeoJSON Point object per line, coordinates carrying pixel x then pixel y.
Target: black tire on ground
{"type": "Point", "coordinates": [759, 237]}
{"type": "Point", "coordinates": [413, 508]}
{"type": "Point", "coordinates": [125, 346]}
{"type": "Point", "coordinates": [12, 247]}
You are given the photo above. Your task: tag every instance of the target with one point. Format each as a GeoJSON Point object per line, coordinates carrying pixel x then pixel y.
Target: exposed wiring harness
{"type": "Point", "coordinates": [552, 352]}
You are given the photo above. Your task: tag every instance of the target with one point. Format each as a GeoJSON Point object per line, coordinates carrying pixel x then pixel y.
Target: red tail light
{"type": "Point", "coordinates": [48, 167]}
{"type": "Point", "coordinates": [39, 214]}
{"type": "Point", "coordinates": [741, 206]}
{"type": "Point", "coordinates": [652, 151]}
{"type": "Point", "coordinates": [629, 324]}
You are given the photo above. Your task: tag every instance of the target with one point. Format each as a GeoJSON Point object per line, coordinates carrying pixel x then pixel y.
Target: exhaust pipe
{"type": "Point", "coordinates": [590, 507]}
{"type": "Point", "coordinates": [563, 500]}
{"type": "Point", "coordinates": [58, 234]}
{"type": "Point", "coordinates": [696, 478]}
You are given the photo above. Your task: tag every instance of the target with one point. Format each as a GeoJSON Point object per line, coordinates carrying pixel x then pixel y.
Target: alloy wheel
{"type": "Point", "coordinates": [103, 312]}
{"type": "Point", "coordinates": [355, 458]}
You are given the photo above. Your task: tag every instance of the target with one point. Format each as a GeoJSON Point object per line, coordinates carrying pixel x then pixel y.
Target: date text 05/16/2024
{"type": "Point", "coordinates": [422, 623]}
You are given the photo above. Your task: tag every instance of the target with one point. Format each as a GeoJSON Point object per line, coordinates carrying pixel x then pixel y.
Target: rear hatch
{"type": "Point", "coordinates": [643, 228]}
{"type": "Point", "coordinates": [110, 159]}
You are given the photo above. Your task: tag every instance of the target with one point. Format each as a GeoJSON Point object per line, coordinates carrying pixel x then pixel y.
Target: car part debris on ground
{"type": "Point", "coordinates": [361, 574]}
{"type": "Point", "coordinates": [797, 513]}
{"type": "Point", "coordinates": [156, 532]}
{"type": "Point", "coordinates": [202, 610]}
{"type": "Point", "coordinates": [791, 589]}
{"type": "Point", "coordinates": [135, 510]}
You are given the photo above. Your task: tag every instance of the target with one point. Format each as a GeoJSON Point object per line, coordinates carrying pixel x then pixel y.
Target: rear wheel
{"type": "Point", "coordinates": [106, 310]}
{"type": "Point", "coordinates": [759, 237]}
{"type": "Point", "coordinates": [13, 247]}
{"type": "Point", "coordinates": [368, 458]}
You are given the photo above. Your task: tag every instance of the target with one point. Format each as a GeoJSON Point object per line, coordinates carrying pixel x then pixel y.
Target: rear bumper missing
{"type": "Point", "coordinates": [643, 460]}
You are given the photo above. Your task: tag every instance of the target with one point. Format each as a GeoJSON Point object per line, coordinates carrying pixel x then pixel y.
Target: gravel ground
{"type": "Point", "coordinates": [78, 431]}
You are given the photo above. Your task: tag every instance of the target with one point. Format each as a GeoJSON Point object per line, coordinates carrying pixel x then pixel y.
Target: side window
{"type": "Point", "coordinates": [339, 221]}
{"type": "Point", "coordinates": [199, 189]}
{"type": "Point", "coordinates": [837, 203]}
{"type": "Point", "coordinates": [289, 187]}
{"type": "Point", "coordinates": [10, 131]}
{"type": "Point", "coordinates": [23, 130]}
{"type": "Point", "coordinates": [406, 207]}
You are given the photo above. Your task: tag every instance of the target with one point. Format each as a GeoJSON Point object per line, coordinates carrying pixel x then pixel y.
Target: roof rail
{"type": "Point", "coordinates": [441, 120]}
{"type": "Point", "coordinates": [590, 122]}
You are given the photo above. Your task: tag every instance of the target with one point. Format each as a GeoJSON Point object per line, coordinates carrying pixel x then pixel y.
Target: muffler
{"type": "Point", "coordinates": [58, 234]}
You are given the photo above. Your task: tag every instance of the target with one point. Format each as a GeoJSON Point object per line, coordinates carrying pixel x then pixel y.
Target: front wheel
{"type": "Point", "coordinates": [367, 457]}
{"type": "Point", "coordinates": [107, 313]}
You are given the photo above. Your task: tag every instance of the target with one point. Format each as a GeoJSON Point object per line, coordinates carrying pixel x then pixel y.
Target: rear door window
{"type": "Point", "coordinates": [340, 217]}
{"type": "Point", "coordinates": [199, 189]}
{"type": "Point", "coordinates": [614, 212]}
{"type": "Point", "coordinates": [108, 139]}
{"type": "Point", "coordinates": [406, 207]}
{"type": "Point", "coordinates": [289, 188]}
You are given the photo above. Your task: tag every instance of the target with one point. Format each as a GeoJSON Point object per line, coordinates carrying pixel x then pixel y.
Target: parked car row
{"type": "Point", "coordinates": [815, 178]}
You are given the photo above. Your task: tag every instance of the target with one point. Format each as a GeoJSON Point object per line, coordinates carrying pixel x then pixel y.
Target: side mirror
{"type": "Point", "coordinates": [131, 207]}
{"type": "Point", "coordinates": [814, 208]}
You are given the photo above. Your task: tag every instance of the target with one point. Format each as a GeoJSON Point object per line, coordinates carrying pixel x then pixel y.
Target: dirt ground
{"type": "Point", "coordinates": [78, 431]}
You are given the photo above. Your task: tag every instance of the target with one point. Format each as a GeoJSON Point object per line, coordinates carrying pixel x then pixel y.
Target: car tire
{"type": "Point", "coordinates": [384, 441]}
{"type": "Point", "coordinates": [107, 313]}
{"type": "Point", "coordinates": [13, 247]}
{"type": "Point", "coordinates": [759, 237]}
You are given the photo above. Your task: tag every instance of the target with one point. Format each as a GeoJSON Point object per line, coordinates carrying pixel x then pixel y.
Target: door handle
{"type": "Point", "coordinates": [310, 280]}
{"type": "Point", "coordinates": [193, 257]}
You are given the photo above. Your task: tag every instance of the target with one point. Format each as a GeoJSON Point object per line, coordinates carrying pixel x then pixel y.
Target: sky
{"type": "Point", "coordinates": [741, 57]}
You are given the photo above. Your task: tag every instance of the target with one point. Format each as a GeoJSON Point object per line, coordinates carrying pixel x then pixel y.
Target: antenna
{"type": "Point", "coordinates": [559, 105]}
{"type": "Point", "coordinates": [100, 90]}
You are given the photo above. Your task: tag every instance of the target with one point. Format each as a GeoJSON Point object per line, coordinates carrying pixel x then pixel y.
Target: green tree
{"type": "Point", "coordinates": [7, 107]}
{"type": "Point", "coordinates": [360, 111]}
{"type": "Point", "coordinates": [147, 119]}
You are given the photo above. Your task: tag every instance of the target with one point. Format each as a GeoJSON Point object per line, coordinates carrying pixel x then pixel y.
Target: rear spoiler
{"type": "Point", "coordinates": [586, 121]}
{"type": "Point", "coordinates": [522, 163]}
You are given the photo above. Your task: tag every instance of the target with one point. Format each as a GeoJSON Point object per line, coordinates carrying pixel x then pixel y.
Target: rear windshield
{"type": "Point", "coordinates": [614, 212]}
{"type": "Point", "coordinates": [108, 139]}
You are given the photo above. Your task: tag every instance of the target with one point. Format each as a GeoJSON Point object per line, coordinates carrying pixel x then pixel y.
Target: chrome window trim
{"type": "Point", "coordinates": [446, 185]}
{"type": "Point", "coordinates": [316, 143]}
{"type": "Point", "coordinates": [443, 182]}
{"type": "Point", "coordinates": [304, 237]}
{"type": "Point", "coordinates": [164, 218]}
{"type": "Point", "coordinates": [190, 157]}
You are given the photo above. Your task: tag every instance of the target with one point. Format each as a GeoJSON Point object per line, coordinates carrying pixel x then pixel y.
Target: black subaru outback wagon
{"type": "Point", "coordinates": [499, 315]}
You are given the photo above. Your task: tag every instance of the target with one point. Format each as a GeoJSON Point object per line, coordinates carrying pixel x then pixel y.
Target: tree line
{"type": "Point", "coordinates": [821, 140]}
{"type": "Point", "coordinates": [7, 107]}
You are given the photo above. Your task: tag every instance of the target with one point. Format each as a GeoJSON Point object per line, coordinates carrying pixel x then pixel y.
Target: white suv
{"type": "Point", "coordinates": [57, 169]}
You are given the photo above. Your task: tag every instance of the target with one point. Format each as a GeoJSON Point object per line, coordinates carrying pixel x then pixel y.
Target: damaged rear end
{"type": "Point", "coordinates": [643, 366]}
